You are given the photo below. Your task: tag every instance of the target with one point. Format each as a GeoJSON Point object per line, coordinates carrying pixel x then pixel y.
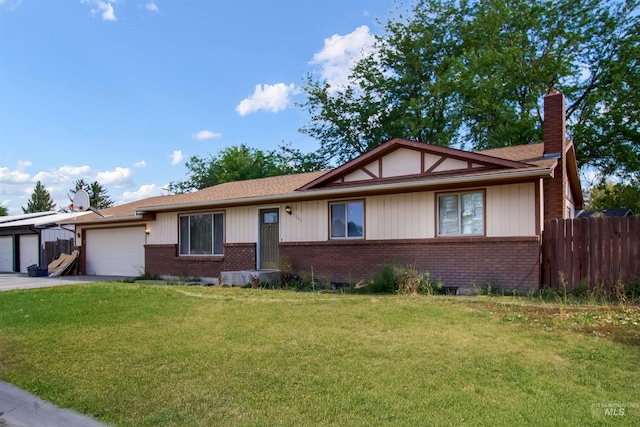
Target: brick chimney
{"type": "Point", "coordinates": [555, 143]}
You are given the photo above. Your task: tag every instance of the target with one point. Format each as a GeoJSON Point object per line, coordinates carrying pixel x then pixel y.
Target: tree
{"type": "Point", "coordinates": [474, 73]}
{"type": "Point", "coordinates": [41, 200]}
{"type": "Point", "coordinates": [3, 211]}
{"type": "Point", "coordinates": [611, 195]}
{"type": "Point", "coordinates": [98, 197]}
{"type": "Point", "coordinates": [238, 163]}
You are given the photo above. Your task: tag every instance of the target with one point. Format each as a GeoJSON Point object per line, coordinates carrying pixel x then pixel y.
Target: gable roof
{"type": "Point", "coordinates": [432, 161]}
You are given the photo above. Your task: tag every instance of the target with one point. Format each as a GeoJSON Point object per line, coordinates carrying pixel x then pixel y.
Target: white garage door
{"type": "Point", "coordinates": [6, 253]}
{"type": "Point", "coordinates": [115, 252]}
{"type": "Point", "coordinates": [29, 251]}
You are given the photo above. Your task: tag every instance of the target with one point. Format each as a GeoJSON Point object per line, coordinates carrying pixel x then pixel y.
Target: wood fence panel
{"type": "Point", "coordinates": [576, 251]}
{"type": "Point", "coordinates": [594, 251]}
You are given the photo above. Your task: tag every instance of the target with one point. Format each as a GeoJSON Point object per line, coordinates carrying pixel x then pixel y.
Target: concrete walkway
{"type": "Point", "coordinates": [19, 408]}
{"type": "Point", "coordinates": [13, 281]}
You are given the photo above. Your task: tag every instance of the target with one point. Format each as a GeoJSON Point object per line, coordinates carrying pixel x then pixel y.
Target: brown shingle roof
{"type": "Point", "coordinates": [227, 191]}
{"type": "Point", "coordinates": [530, 153]}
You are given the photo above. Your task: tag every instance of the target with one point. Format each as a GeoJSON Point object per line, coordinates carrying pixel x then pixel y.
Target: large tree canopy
{"type": "Point", "coordinates": [238, 163]}
{"type": "Point", "coordinates": [473, 74]}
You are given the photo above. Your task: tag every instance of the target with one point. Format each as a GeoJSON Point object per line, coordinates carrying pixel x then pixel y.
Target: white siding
{"type": "Point", "coordinates": [241, 224]}
{"type": "Point", "coordinates": [510, 210]}
{"type": "Point", "coordinates": [308, 222]}
{"type": "Point", "coordinates": [401, 162]}
{"type": "Point", "coordinates": [400, 216]}
{"type": "Point", "coordinates": [164, 230]}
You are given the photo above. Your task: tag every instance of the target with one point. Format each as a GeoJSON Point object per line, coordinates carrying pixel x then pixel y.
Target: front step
{"type": "Point", "coordinates": [250, 277]}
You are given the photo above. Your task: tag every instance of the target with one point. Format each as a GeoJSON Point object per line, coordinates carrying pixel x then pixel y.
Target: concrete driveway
{"type": "Point", "coordinates": [13, 281]}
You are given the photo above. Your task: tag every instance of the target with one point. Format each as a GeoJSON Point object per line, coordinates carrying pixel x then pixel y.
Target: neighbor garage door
{"type": "Point", "coordinates": [29, 251]}
{"type": "Point", "coordinates": [6, 253]}
{"type": "Point", "coordinates": [115, 252]}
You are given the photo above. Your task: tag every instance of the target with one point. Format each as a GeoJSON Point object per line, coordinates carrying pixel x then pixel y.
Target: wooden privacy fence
{"type": "Point", "coordinates": [52, 250]}
{"type": "Point", "coordinates": [596, 251]}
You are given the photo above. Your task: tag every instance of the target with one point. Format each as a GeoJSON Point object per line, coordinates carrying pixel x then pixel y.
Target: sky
{"type": "Point", "coordinates": [124, 92]}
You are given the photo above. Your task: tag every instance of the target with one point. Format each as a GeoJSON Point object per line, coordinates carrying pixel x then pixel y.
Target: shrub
{"type": "Point", "coordinates": [384, 281]}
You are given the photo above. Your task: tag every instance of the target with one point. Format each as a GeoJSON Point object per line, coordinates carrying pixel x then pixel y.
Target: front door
{"type": "Point", "coordinates": [269, 237]}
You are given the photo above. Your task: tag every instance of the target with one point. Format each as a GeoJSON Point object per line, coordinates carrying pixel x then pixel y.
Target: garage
{"type": "Point", "coordinates": [115, 252]}
{"type": "Point", "coordinates": [6, 253]}
{"type": "Point", "coordinates": [29, 251]}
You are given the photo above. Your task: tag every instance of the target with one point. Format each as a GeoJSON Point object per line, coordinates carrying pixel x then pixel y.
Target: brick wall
{"type": "Point", "coordinates": [513, 263]}
{"type": "Point", "coordinates": [164, 261]}
{"type": "Point", "coordinates": [239, 256]}
{"type": "Point", "coordinates": [555, 204]}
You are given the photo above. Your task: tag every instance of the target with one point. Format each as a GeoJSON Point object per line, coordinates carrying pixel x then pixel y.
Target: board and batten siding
{"type": "Point", "coordinates": [164, 230]}
{"type": "Point", "coordinates": [241, 224]}
{"type": "Point", "coordinates": [511, 210]}
{"type": "Point", "coordinates": [400, 216]}
{"type": "Point", "coordinates": [308, 222]}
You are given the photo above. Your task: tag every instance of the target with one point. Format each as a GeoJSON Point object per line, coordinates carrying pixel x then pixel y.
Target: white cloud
{"type": "Point", "coordinates": [341, 53]}
{"type": "Point", "coordinates": [104, 8]}
{"type": "Point", "coordinates": [271, 98]}
{"type": "Point", "coordinates": [176, 157]}
{"type": "Point", "coordinates": [62, 174]}
{"type": "Point", "coordinates": [8, 176]}
{"type": "Point", "coordinates": [206, 134]}
{"type": "Point", "coordinates": [147, 190]}
{"type": "Point", "coordinates": [119, 177]}
{"type": "Point", "coordinates": [151, 6]}
{"type": "Point", "coordinates": [140, 164]}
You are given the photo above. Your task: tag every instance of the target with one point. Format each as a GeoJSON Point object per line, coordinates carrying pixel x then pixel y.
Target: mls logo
{"type": "Point", "coordinates": [614, 412]}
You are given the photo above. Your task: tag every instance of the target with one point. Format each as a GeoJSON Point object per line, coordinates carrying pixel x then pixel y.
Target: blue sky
{"type": "Point", "coordinates": [125, 91]}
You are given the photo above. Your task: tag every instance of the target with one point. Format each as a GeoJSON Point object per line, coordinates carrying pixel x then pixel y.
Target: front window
{"type": "Point", "coordinates": [347, 220]}
{"type": "Point", "coordinates": [461, 214]}
{"type": "Point", "coordinates": [202, 234]}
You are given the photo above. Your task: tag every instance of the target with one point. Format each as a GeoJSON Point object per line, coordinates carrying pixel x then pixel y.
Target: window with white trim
{"type": "Point", "coordinates": [202, 234]}
{"type": "Point", "coordinates": [347, 220]}
{"type": "Point", "coordinates": [461, 214]}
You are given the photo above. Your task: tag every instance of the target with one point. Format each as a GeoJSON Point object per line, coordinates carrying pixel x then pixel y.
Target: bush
{"type": "Point", "coordinates": [384, 281]}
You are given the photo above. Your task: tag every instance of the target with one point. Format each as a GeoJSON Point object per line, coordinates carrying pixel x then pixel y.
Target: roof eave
{"type": "Point", "coordinates": [336, 192]}
{"type": "Point", "coordinates": [106, 220]}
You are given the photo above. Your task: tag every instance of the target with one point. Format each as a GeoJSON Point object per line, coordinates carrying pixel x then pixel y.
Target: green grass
{"type": "Point", "coordinates": [145, 355]}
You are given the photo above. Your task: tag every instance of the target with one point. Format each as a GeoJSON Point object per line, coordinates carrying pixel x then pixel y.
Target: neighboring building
{"type": "Point", "coordinates": [34, 238]}
{"type": "Point", "coordinates": [605, 213]}
{"type": "Point", "coordinates": [466, 217]}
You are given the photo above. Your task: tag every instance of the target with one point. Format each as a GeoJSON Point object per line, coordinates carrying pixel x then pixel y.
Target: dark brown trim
{"type": "Point", "coordinates": [434, 166]}
{"type": "Point", "coordinates": [393, 144]}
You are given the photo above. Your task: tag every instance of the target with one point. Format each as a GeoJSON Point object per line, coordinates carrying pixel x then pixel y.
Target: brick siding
{"type": "Point", "coordinates": [512, 263]}
{"type": "Point", "coordinates": [164, 261]}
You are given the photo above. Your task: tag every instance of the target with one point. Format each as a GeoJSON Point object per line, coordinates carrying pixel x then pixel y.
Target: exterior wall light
{"type": "Point", "coordinates": [288, 209]}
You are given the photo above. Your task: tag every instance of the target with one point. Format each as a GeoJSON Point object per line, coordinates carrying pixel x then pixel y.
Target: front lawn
{"type": "Point", "coordinates": [146, 355]}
